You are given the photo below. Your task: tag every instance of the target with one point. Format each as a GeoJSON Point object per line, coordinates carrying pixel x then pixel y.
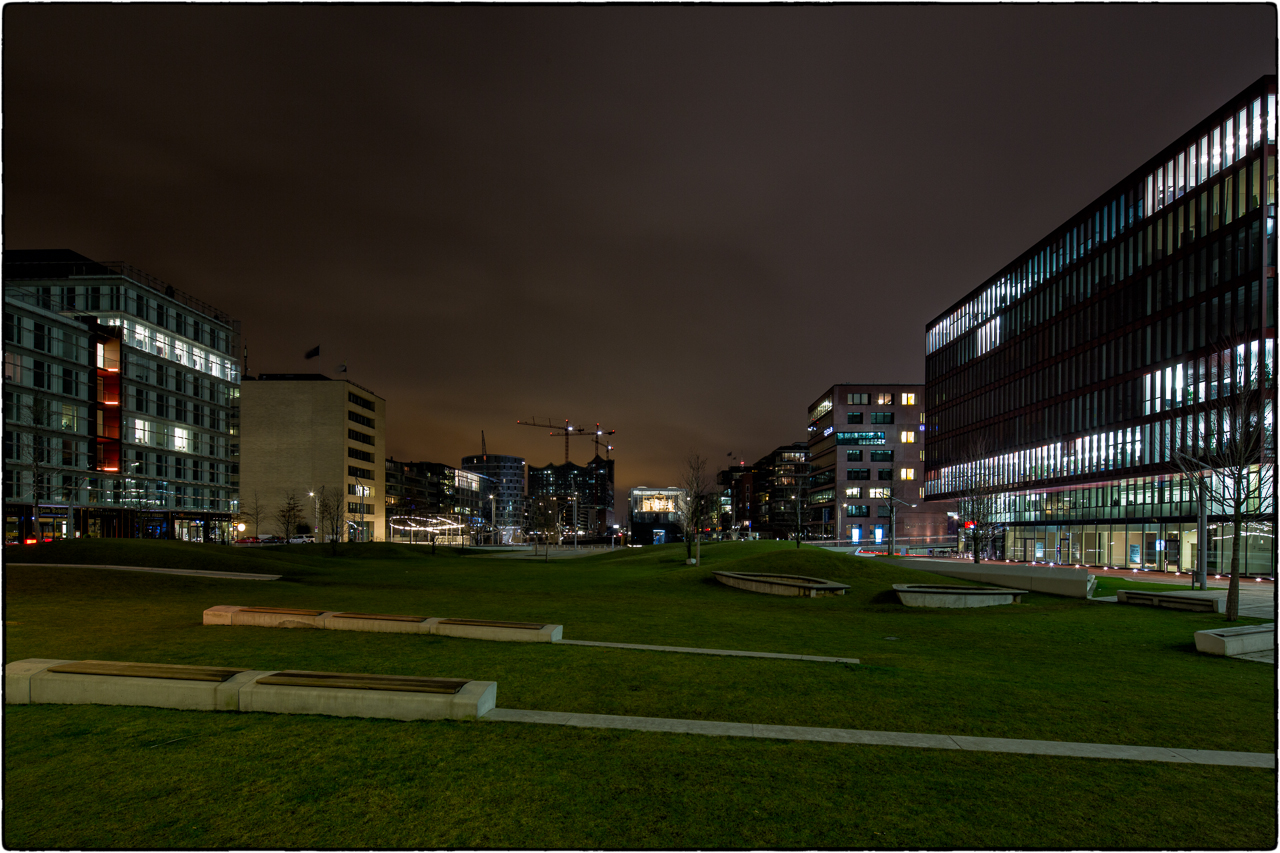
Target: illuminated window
{"type": "Point", "coordinates": [908, 399]}
{"type": "Point", "coordinates": [853, 492]}
{"type": "Point", "coordinates": [907, 437]}
{"type": "Point", "coordinates": [884, 399]}
{"type": "Point", "coordinates": [907, 473]}
{"type": "Point", "coordinates": [881, 494]}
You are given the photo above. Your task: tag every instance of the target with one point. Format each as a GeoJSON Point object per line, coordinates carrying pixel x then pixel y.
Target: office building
{"type": "Point", "coordinates": [778, 480]}
{"type": "Point", "coordinates": [303, 432]}
{"type": "Point", "coordinates": [590, 487]}
{"type": "Point", "coordinates": [1071, 380]}
{"type": "Point", "coordinates": [866, 461]}
{"type": "Point", "coordinates": [119, 396]}
{"type": "Point", "coordinates": [506, 506]}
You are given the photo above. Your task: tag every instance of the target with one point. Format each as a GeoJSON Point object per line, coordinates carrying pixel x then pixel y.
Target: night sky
{"type": "Point", "coordinates": [683, 222]}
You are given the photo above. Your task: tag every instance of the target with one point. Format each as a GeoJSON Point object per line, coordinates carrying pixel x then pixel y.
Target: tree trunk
{"type": "Point", "coordinates": [1233, 589]}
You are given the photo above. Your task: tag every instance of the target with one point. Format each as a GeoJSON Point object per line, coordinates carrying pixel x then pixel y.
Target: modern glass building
{"type": "Point", "coordinates": [1072, 379]}
{"type": "Point", "coordinates": [508, 503]}
{"type": "Point", "coordinates": [120, 400]}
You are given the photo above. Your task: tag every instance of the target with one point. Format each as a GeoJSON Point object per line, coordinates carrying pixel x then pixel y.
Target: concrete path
{"type": "Point", "coordinates": [926, 741]}
{"type": "Point", "coordinates": [726, 652]}
{"type": "Point", "coordinates": [244, 576]}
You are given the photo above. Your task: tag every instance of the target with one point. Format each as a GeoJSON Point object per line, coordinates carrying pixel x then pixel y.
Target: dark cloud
{"type": "Point", "coordinates": [685, 222]}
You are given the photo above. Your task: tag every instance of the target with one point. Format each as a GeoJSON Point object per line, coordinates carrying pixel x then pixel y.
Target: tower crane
{"type": "Point", "coordinates": [570, 431]}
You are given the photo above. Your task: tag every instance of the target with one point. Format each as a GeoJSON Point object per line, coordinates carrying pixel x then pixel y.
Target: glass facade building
{"type": "Point", "coordinates": [121, 395]}
{"type": "Point", "coordinates": [1073, 378]}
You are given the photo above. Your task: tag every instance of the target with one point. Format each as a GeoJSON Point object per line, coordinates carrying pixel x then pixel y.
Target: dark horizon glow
{"type": "Point", "coordinates": [685, 223]}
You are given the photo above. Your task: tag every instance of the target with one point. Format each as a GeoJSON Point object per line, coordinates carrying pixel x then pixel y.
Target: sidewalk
{"type": "Point", "coordinates": [244, 576]}
{"type": "Point", "coordinates": [854, 736]}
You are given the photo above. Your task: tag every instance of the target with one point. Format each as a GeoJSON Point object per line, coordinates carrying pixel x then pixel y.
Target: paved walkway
{"type": "Point", "coordinates": [926, 741]}
{"type": "Point", "coordinates": [690, 651]}
{"type": "Point", "coordinates": [244, 576]}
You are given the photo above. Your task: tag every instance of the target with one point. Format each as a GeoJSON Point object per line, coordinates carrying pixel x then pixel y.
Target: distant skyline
{"type": "Point", "coordinates": [685, 223]}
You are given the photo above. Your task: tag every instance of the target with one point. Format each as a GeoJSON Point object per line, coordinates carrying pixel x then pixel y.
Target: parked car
{"type": "Point", "coordinates": [248, 540]}
{"type": "Point", "coordinates": [272, 540]}
{"type": "Point", "coordinates": [301, 540]}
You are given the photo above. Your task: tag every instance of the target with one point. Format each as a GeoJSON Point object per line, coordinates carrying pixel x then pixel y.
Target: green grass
{"type": "Point", "coordinates": [1050, 668]}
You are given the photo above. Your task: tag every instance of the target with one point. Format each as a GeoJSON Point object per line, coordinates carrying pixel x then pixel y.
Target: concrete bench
{"type": "Point", "coordinates": [475, 629]}
{"type": "Point", "coordinates": [483, 629]}
{"type": "Point", "coordinates": [200, 688]}
{"type": "Point", "coordinates": [1236, 641]}
{"type": "Point", "coordinates": [1198, 601]}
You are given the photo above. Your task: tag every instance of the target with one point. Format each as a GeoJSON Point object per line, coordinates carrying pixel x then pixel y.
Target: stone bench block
{"type": "Point", "coordinates": [540, 634]}
{"type": "Point", "coordinates": [1053, 580]}
{"type": "Point", "coordinates": [333, 620]}
{"type": "Point", "coordinates": [29, 682]}
{"type": "Point", "coordinates": [65, 688]}
{"type": "Point", "coordinates": [1237, 641]}
{"type": "Point", "coordinates": [277, 617]}
{"type": "Point", "coordinates": [17, 678]}
{"type": "Point", "coordinates": [473, 701]}
{"type": "Point", "coordinates": [1200, 601]}
{"type": "Point", "coordinates": [220, 615]}
{"type": "Point", "coordinates": [338, 621]}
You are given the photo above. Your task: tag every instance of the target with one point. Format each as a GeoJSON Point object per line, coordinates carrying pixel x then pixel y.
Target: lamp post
{"type": "Point", "coordinates": [315, 531]}
{"type": "Point", "coordinates": [493, 517]}
{"type": "Point", "coordinates": [361, 495]}
{"type": "Point", "coordinates": [893, 520]}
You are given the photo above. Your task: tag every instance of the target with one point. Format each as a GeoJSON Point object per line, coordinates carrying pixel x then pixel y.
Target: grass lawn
{"type": "Point", "coordinates": [1050, 668]}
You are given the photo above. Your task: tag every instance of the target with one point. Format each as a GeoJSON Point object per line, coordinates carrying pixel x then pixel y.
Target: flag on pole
{"type": "Point", "coordinates": [341, 368]}
{"type": "Point", "coordinates": [314, 352]}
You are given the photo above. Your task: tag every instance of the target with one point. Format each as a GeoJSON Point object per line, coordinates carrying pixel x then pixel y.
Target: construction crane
{"type": "Point", "coordinates": [569, 431]}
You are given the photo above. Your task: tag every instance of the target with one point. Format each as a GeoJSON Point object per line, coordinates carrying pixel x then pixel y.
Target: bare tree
{"type": "Point", "coordinates": [252, 511]}
{"type": "Point", "coordinates": [977, 497]}
{"type": "Point", "coordinates": [1229, 458]}
{"type": "Point", "coordinates": [333, 516]}
{"type": "Point", "coordinates": [695, 506]}
{"type": "Point", "coordinates": [288, 515]}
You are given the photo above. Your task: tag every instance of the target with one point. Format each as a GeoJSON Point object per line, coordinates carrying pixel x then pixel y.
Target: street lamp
{"type": "Point", "coordinates": [361, 496]}
{"type": "Point", "coordinates": [493, 517]}
{"type": "Point", "coordinates": [316, 530]}
{"type": "Point", "coordinates": [893, 519]}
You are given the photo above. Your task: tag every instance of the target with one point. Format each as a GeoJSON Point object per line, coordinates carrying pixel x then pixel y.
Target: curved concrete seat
{"type": "Point", "coordinates": [775, 584]}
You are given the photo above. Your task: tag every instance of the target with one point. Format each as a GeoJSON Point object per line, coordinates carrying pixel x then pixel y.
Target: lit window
{"type": "Point", "coordinates": [908, 399]}
{"type": "Point", "coordinates": [907, 437]}
{"type": "Point", "coordinates": [879, 494]}
{"type": "Point", "coordinates": [907, 473]}
{"type": "Point", "coordinates": [884, 399]}
{"type": "Point", "coordinates": [853, 492]}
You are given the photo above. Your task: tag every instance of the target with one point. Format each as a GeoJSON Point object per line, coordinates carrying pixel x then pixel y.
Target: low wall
{"type": "Point", "coordinates": [1054, 580]}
